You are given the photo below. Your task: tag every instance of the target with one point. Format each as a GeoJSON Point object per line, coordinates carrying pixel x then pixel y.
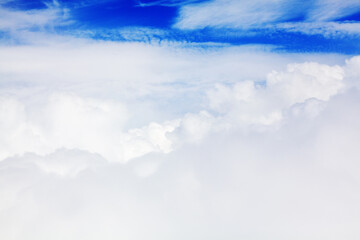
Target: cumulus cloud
{"type": "Point", "coordinates": [298, 181]}
{"type": "Point", "coordinates": [174, 141]}
{"type": "Point", "coordinates": [266, 104]}
{"type": "Point", "coordinates": [93, 103]}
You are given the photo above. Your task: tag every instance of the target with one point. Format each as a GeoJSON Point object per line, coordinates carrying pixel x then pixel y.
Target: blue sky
{"type": "Point", "coordinates": [294, 26]}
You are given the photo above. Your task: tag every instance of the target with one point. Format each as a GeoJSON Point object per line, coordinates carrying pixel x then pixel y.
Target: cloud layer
{"type": "Point", "coordinates": [97, 103]}
{"type": "Point", "coordinates": [138, 141]}
{"type": "Point", "coordinates": [299, 181]}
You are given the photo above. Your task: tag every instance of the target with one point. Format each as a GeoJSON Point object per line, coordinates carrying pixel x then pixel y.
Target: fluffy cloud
{"type": "Point", "coordinates": [298, 181]}
{"type": "Point", "coordinates": [266, 104]}
{"type": "Point", "coordinates": [76, 113]}
{"type": "Point", "coordinates": [139, 141]}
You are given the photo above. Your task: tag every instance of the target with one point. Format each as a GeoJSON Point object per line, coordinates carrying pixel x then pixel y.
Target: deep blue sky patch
{"type": "Point", "coordinates": [124, 14]}
{"type": "Point", "coordinates": [25, 4]}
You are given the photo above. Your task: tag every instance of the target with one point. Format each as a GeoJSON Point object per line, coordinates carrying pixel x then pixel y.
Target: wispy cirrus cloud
{"type": "Point", "coordinates": [15, 20]}
{"type": "Point", "coordinates": [265, 14]}
{"type": "Point", "coordinates": [326, 29]}
{"type": "Point", "coordinates": [231, 14]}
{"type": "Point", "coordinates": [329, 10]}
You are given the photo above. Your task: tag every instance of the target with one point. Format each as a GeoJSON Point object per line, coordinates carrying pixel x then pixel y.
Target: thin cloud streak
{"type": "Point", "coordinates": [260, 14]}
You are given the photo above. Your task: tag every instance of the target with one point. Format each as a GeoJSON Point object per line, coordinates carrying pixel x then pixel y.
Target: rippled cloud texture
{"type": "Point", "coordinates": [177, 140]}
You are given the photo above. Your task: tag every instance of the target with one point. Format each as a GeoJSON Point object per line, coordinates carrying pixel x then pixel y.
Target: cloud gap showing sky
{"type": "Point", "coordinates": [170, 119]}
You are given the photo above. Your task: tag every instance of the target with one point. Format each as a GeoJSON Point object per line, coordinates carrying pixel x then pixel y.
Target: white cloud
{"type": "Point", "coordinates": [319, 16]}
{"type": "Point", "coordinates": [352, 72]}
{"type": "Point", "coordinates": [231, 14]}
{"type": "Point", "coordinates": [301, 181]}
{"type": "Point", "coordinates": [65, 162]}
{"type": "Point", "coordinates": [92, 103]}
{"type": "Point", "coordinates": [327, 10]}
{"type": "Point", "coordinates": [140, 141]}
{"type": "Point", "coordinates": [66, 121]}
{"type": "Point", "coordinates": [327, 29]}
{"type": "Point", "coordinates": [14, 20]}
{"type": "Point", "coordinates": [305, 81]}
{"type": "Point", "coordinates": [247, 103]}
{"type": "Point", "coordinates": [151, 138]}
